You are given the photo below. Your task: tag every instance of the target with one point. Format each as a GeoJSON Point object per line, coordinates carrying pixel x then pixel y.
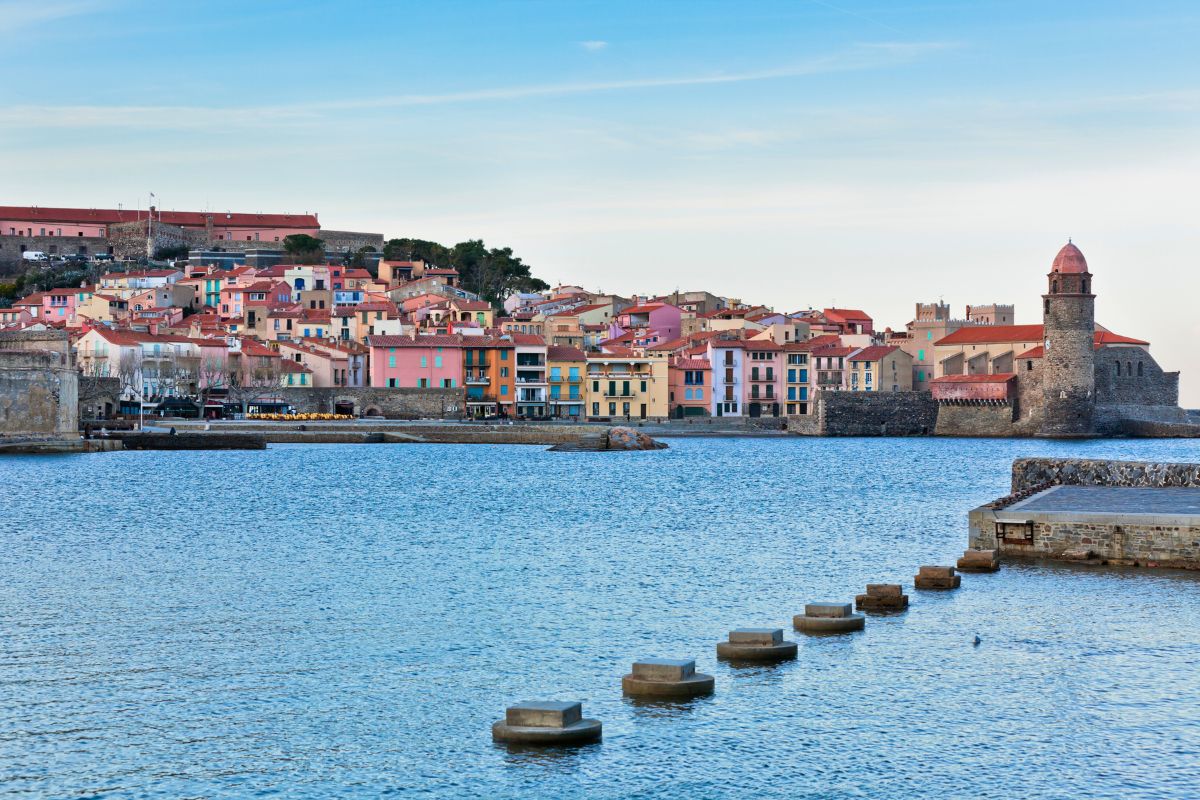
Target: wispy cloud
{"type": "Point", "coordinates": [860, 57]}
{"type": "Point", "coordinates": [593, 45]}
{"type": "Point", "coordinates": [18, 14]}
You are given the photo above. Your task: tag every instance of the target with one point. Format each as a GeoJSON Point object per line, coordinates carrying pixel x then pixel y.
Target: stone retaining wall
{"type": "Point", "coordinates": [407, 403]}
{"type": "Point", "coordinates": [1032, 472]}
{"type": "Point", "coordinates": [876, 413]}
{"type": "Point", "coordinates": [975, 420]}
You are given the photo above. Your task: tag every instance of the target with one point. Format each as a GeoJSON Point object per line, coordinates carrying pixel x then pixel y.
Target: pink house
{"type": "Point", "coordinates": [416, 362]}
{"type": "Point", "coordinates": [747, 377]}
{"type": "Point", "coordinates": [58, 305]}
{"type": "Point", "coordinates": [654, 323]}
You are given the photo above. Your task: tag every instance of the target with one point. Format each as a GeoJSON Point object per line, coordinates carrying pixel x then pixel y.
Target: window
{"type": "Point", "coordinates": [920, 355]}
{"type": "Point", "coordinates": [643, 388]}
{"type": "Point", "coordinates": [437, 361]}
{"type": "Point", "coordinates": [447, 383]}
{"type": "Point", "coordinates": [391, 383]}
{"type": "Point", "coordinates": [687, 394]}
{"type": "Point", "coordinates": [504, 390]}
{"type": "Point", "coordinates": [392, 362]}
{"type": "Point", "coordinates": [424, 361]}
{"type": "Point", "coordinates": [612, 409]}
{"type": "Point", "coordinates": [503, 370]}
{"type": "Point", "coordinates": [920, 374]}
{"type": "Point", "coordinates": [595, 409]}
{"type": "Point", "coordinates": [1139, 369]}
{"type": "Point", "coordinates": [504, 355]}
{"type": "Point", "coordinates": [595, 386]}
{"type": "Point", "coordinates": [422, 383]}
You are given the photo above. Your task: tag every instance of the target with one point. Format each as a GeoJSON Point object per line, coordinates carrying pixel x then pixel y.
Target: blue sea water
{"type": "Point", "coordinates": [348, 621]}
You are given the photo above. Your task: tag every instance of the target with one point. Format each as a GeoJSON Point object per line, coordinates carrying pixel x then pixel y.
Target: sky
{"type": "Point", "coordinates": [797, 154]}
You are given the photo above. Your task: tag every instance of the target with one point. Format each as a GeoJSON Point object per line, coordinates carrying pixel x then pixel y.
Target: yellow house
{"type": "Point", "coordinates": [473, 311]}
{"type": "Point", "coordinates": [566, 378]}
{"type": "Point", "coordinates": [624, 385]}
{"type": "Point", "coordinates": [881, 368]}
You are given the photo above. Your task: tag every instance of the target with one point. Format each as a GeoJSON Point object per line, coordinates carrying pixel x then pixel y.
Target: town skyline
{"type": "Point", "coordinates": [822, 149]}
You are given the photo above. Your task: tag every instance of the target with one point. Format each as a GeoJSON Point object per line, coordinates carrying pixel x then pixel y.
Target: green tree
{"type": "Point", "coordinates": [416, 250]}
{"type": "Point", "coordinates": [304, 249]}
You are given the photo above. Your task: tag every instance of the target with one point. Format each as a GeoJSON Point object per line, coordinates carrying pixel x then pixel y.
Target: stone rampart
{"type": "Point", "coordinates": [10, 247]}
{"type": "Point", "coordinates": [408, 403]}
{"type": "Point", "coordinates": [876, 413]}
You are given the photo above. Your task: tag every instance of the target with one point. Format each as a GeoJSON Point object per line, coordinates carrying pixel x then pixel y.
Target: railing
{"type": "Point", "coordinates": [478, 379]}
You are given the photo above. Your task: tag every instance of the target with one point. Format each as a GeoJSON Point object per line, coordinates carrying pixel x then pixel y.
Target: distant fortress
{"type": "Point", "coordinates": [1064, 378]}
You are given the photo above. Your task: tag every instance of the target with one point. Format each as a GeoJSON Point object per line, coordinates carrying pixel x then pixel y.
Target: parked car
{"type": "Point", "coordinates": [102, 257]}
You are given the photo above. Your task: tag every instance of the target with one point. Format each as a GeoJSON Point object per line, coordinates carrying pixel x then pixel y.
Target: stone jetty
{"type": "Point", "coordinates": [666, 678]}
{"type": "Point", "coordinates": [979, 561]}
{"type": "Point", "coordinates": [828, 618]}
{"type": "Point", "coordinates": [882, 597]}
{"type": "Point", "coordinates": [546, 722]}
{"type": "Point", "coordinates": [756, 644]}
{"type": "Point", "coordinates": [619, 438]}
{"type": "Point", "coordinates": [937, 578]}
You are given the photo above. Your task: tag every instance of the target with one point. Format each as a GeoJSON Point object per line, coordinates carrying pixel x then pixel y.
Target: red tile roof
{"type": "Point", "coordinates": [557, 352]}
{"type": "Point", "coordinates": [874, 353]}
{"type": "Point", "coordinates": [94, 216]}
{"type": "Point", "coordinates": [987, 334]}
{"type": "Point", "coordinates": [999, 377]}
{"type": "Point", "coordinates": [846, 315]}
{"type": "Point", "coordinates": [434, 340]}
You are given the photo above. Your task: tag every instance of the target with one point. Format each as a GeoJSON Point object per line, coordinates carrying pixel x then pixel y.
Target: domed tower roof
{"type": "Point", "coordinates": [1069, 260]}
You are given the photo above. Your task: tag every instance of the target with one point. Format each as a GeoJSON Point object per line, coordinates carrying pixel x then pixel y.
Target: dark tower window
{"type": "Point", "coordinates": [1128, 367]}
{"type": "Point", "coordinates": [1047, 306]}
{"type": "Point", "coordinates": [1085, 286]}
{"type": "Point", "coordinates": [1139, 369]}
{"type": "Point", "coordinates": [1054, 287]}
{"type": "Point", "coordinates": [1118, 365]}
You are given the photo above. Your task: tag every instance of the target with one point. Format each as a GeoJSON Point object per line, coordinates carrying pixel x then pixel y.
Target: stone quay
{"type": "Point", "coordinates": [882, 597]}
{"type": "Point", "coordinates": [666, 678]}
{"type": "Point", "coordinates": [546, 722]}
{"type": "Point", "coordinates": [828, 618]}
{"type": "Point", "coordinates": [979, 561]}
{"type": "Point", "coordinates": [756, 644]}
{"type": "Point", "coordinates": [937, 578]}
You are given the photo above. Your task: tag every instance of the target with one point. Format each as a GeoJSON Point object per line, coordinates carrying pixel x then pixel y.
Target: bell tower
{"type": "Point", "coordinates": [1068, 365]}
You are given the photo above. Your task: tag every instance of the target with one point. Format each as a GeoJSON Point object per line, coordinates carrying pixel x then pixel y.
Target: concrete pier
{"type": "Point", "coordinates": [828, 618]}
{"type": "Point", "coordinates": [936, 578]}
{"type": "Point", "coordinates": [756, 644]}
{"type": "Point", "coordinates": [882, 597]}
{"type": "Point", "coordinates": [666, 678]}
{"type": "Point", "coordinates": [546, 722]}
{"type": "Point", "coordinates": [979, 561]}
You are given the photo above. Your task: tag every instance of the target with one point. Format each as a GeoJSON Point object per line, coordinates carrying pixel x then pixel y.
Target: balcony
{"type": "Point", "coordinates": [478, 380]}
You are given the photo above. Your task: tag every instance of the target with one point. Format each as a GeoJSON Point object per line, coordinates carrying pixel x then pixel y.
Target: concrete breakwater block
{"type": "Point", "coordinates": [756, 644]}
{"type": "Point", "coordinates": [882, 597]}
{"type": "Point", "coordinates": [666, 677]}
{"type": "Point", "coordinates": [828, 618]}
{"type": "Point", "coordinates": [979, 561]}
{"type": "Point", "coordinates": [936, 578]}
{"type": "Point", "coordinates": [547, 722]}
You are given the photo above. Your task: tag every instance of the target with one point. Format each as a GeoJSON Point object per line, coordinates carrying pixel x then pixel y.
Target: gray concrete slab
{"type": "Point", "coordinates": [1161, 502]}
